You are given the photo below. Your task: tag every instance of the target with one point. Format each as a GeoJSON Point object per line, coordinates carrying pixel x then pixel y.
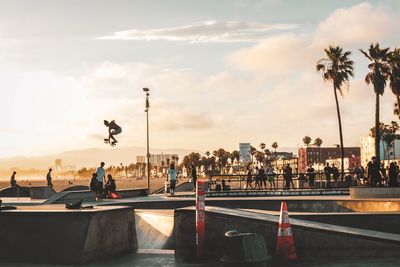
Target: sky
{"type": "Point", "coordinates": [219, 72]}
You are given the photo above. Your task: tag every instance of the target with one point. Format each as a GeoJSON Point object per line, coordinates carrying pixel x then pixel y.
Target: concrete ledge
{"type": "Point", "coordinates": [374, 192]}
{"type": "Point", "coordinates": [52, 234]}
{"type": "Point", "coordinates": [312, 239]}
{"type": "Point", "coordinates": [15, 191]}
{"type": "Point", "coordinates": [41, 192]}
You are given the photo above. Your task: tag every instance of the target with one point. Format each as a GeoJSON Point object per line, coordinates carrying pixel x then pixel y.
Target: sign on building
{"type": "Point", "coordinates": [245, 152]}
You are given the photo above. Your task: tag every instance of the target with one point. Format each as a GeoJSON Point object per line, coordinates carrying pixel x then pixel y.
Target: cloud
{"type": "Point", "coordinates": [275, 55]}
{"type": "Point", "coordinates": [287, 53]}
{"type": "Point", "coordinates": [204, 32]}
{"type": "Point", "coordinates": [357, 25]}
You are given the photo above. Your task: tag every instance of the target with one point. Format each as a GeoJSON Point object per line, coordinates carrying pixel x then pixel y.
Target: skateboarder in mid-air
{"type": "Point", "coordinates": [113, 129]}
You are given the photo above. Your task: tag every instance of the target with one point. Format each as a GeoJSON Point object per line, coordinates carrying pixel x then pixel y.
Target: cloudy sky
{"type": "Point", "coordinates": [220, 72]}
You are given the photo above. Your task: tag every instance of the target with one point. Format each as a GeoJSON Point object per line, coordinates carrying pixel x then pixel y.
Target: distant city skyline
{"type": "Point", "coordinates": [219, 73]}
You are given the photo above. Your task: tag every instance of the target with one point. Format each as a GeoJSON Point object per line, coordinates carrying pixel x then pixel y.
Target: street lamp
{"type": "Point", "coordinates": [147, 90]}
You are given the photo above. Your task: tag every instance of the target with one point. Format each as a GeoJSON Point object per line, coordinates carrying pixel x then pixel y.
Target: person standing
{"type": "Point", "coordinates": [13, 182]}
{"type": "Point", "coordinates": [328, 173]}
{"type": "Point", "coordinates": [100, 176]}
{"type": "Point", "coordinates": [288, 176]}
{"type": "Point", "coordinates": [374, 171]}
{"type": "Point", "coordinates": [335, 174]}
{"type": "Point", "coordinates": [249, 181]}
{"type": "Point", "coordinates": [258, 181]}
{"type": "Point", "coordinates": [392, 175]}
{"type": "Point", "coordinates": [261, 178]}
{"type": "Point", "coordinates": [48, 178]}
{"type": "Point", "coordinates": [172, 173]}
{"type": "Point", "coordinates": [311, 176]}
{"type": "Point", "coordinates": [271, 177]}
{"type": "Point", "coordinates": [193, 174]}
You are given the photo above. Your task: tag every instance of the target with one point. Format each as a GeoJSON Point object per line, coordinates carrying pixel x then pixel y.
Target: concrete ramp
{"type": "Point", "coordinates": [154, 229]}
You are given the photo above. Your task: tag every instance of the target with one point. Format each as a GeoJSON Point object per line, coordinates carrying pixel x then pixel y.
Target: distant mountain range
{"type": "Point", "coordinates": [90, 157]}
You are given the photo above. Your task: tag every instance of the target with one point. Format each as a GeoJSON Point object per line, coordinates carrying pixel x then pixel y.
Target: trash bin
{"type": "Point", "coordinates": [244, 249]}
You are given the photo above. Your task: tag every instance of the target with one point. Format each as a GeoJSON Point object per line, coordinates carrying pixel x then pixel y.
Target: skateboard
{"type": "Point", "coordinates": [107, 141]}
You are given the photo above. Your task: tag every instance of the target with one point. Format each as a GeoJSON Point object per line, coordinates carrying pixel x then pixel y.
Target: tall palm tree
{"type": "Point", "coordinates": [262, 146]}
{"type": "Point", "coordinates": [307, 140]}
{"type": "Point", "coordinates": [394, 78]}
{"type": "Point", "coordinates": [337, 67]}
{"type": "Point", "coordinates": [208, 153]}
{"type": "Point", "coordinates": [378, 75]}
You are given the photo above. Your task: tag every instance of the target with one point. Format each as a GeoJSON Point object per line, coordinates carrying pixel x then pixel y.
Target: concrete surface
{"type": "Point", "coordinates": [154, 229]}
{"type": "Point", "coordinates": [15, 191]}
{"type": "Point", "coordinates": [312, 239]}
{"type": "Point", "coordinates": [52, 234]}
{"type": "Point", "coordinates": [374, 192]}
{"type": "Point", "coordinates": [41, 192]}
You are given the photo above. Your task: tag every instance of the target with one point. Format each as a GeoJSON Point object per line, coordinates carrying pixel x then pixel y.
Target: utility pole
{"type": "Point", "coordinates": [147, 90]}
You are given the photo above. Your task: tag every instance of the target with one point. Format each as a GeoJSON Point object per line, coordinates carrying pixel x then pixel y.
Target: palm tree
{"type": "Point", "coordinates": [207, 153]}
{"type": "Point", "coordinates": [394, 78]}
{"type": "Point", "coordinates": [307, 140]}
{"type": "Point", "coordinates": [337, 68]}
{"type": "Point", "coordinates": [274, 146]}
{"type": "Point", "coordinates": [378, 75]}
{"type": "Point", "coordinates": [262, 146]}
{"type": "Point", "coordinates": [318, 143]}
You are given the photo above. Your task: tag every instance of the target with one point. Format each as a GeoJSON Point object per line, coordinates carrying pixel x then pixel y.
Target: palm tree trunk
{"type": "Point", "coordinates": [340, 134]}
{"type": "Point", "coordinates": [377, 130]}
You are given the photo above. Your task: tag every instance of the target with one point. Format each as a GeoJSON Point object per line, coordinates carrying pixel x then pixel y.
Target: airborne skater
{"type": "Point", "coordinates": [113, 129]}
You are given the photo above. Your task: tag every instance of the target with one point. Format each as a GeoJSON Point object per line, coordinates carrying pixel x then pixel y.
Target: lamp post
{"type": "Point", "coordinates": [147, 90]}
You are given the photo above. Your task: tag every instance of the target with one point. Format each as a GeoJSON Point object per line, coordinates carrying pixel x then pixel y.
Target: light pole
{"type": "Point", "coordinates": [147, 90]}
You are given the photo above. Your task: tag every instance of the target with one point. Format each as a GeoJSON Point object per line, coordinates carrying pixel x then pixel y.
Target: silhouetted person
{"type": "Point", "coordinates": [288, 176]}
{"type": "Point", "coordinates": [392, 175]}
{"type": "Point", "coordinates": [13, 182]}
{"type": "Point", "coordinates": [110, 186]}
{"type": "Point", "coordinates": [48, 178]}
{"type": "Point", "coordinates": [328, 173]}
{"type": "Point", "coordinates": [100, 176]}
{"type": "Point", "coordinates": [311, 176]}
{"type": "Point", "coordinates": [374, 172]}
{"type": "Point", "coordinates": [258, 181]}
{"type": "Point", "coordinates": [249, 180]}
{"type": "Point", "coordinates": [193, 174]}
{"type": "Point", "coordinates": [271, 177]}
{"type": "Point", "coordinates": [335, 174]}
{"type": "Point", "coordinates": [113, 129]}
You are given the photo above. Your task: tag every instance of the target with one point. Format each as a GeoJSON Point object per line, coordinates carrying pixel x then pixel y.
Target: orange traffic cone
{"type": "Point", "coordinates": [285, 243]}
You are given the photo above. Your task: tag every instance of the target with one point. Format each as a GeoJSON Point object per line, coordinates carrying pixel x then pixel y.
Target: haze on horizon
{"type": "Point", "coordinates": [219, 73]}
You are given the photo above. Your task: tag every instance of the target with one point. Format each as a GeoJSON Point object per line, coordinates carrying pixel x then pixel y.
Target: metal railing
{"type": "Point", "coordinates": [238, 181]}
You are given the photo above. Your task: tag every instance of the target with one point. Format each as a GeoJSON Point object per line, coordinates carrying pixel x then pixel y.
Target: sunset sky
{"type": "Point", "coordinates": [220, 72]}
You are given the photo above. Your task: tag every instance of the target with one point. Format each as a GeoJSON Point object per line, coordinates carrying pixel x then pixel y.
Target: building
{"type": "Point", "coordinates": [386, 152]}
{"type": "Point", "coordinates": [158, 159]}
{"type": "Point", "coordinates": [319, 155]}
{"type": "Point", "coordinates": [349, 163]}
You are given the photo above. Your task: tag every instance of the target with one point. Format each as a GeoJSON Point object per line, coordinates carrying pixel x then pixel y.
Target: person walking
{"type": "Point", "coordinates": [100, 176]}
{"type": "Point", "coordinates": [249, 180]}
{"type": "Point", "coordinates": [193, 175]}
{"type": "Point", "coordinates": [48, 178]}
{"type": "Point", "coordinates": [288, 176]}
{"type": "Point", "coordinates": [13, 182]}
{"type": "Point", "coordinates": [328, 173]}
{"type": "Point", "coordinates": [311, 176]}
{"type": "Point", "coordinates": [172, 174]}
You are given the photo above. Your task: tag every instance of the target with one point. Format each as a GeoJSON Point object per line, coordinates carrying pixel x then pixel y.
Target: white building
{"type": "Point", "coordinates": [157, 159]}
{"type": "Point", "coordinates": [386, 152]}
